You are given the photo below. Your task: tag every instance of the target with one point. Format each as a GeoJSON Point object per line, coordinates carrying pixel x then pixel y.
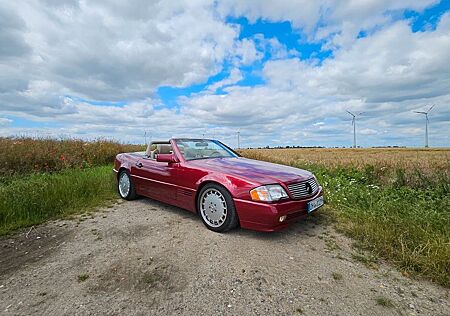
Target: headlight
{"type": "Point", "coordinates": [268, 193]}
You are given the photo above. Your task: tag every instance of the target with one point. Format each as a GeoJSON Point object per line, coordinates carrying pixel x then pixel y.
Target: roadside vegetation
{"type": "Point", "coordinates": [42, 179]}
{"type": "Point", "coordinates": [32, 199]}
{"type": "Point", "coordinates": [19, 156]}
{"type": "Point", "coordinates": [394, 202]}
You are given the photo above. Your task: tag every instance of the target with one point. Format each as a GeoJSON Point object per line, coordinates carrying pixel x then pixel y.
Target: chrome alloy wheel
{"type": "Point", "coordinates": [124, 185]}
{"type": "Point", "coordinates": [213, 207]}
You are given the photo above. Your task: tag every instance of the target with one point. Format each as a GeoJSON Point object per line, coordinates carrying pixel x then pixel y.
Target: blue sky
{"type": "Point", "coordinates": [281, 74]}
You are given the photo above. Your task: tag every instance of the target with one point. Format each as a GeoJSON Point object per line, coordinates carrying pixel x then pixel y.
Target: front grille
{"type": "Point", "coordinates": [304, 189]}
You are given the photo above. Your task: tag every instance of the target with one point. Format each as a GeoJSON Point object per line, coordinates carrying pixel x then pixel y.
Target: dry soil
{"type": "Point", "coordinates": [147, 258]}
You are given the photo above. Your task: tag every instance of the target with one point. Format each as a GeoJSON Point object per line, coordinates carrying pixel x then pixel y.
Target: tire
{"type": "Point", "coordinates": [125, 186]}
{"type": "Point", "coordinates": [216, 208]}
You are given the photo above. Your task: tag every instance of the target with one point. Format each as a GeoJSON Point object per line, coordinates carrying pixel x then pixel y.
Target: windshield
{"type": "Point", "coordinates": [202, 148]}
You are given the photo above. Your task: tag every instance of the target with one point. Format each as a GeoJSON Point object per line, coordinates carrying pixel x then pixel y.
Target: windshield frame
{"type": "Point", "coordinates": [232, 153]}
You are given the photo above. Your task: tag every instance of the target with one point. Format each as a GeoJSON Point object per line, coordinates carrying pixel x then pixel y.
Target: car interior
{"type": "Point", "coordinates": [192, 153]}
{"type": "Point", "coordinates": [156, 148]}
{"type": "Point", "coordinates": [164, 147]}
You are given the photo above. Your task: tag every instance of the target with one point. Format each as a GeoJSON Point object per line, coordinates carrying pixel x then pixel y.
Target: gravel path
{"type": "Point", "coordinates": [143, 257]}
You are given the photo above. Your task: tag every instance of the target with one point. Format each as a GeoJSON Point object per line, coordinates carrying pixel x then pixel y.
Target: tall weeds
{"type": "Point", "coordinates": [48, 178]}
{"type": "Point", "coordinates": [397, 208]}
{"type": "Point", "coordinates": [27, 155]}
{"type": "Point", "coordinates": [32, 199]}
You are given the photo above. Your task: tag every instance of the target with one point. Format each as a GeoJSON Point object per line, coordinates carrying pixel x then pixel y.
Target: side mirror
{"type": "Point", "coordinates": [170, 158]}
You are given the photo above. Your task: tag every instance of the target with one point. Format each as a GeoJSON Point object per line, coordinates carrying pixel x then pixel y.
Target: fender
{"type": "Point", "coordinates": [238, 187]}
{"type": "Point", "coordinates": [121, 162]}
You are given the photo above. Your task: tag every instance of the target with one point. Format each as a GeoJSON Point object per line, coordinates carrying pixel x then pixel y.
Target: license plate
{"type": "Point", "coordinates": [315, 204]}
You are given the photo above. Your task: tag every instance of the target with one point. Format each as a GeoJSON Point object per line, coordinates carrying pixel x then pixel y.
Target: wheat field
{"type": "Point", "coordinates": [406, 158]}
{"type": "Point", "coordinates": [395, 202]}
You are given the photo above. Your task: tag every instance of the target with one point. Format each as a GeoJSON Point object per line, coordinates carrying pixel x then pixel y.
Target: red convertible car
{"type": "Point", "coordinates": [207, 177]}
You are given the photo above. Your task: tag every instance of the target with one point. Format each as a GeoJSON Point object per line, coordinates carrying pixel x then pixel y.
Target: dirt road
{"type": "Point", "coordinates": [143, 257]}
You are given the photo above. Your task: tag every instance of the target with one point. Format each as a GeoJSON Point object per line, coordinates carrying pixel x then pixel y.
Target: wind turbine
{"type": "Point", "coordinates": [426, 123]}
{"type": "Point", "coordinates": [238, 139]}
{"type": "Point", "coordinates": [354, 125]}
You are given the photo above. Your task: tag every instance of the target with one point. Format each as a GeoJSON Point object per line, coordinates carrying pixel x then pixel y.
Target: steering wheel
{"type": "Point", "coordinates": [215, 154]}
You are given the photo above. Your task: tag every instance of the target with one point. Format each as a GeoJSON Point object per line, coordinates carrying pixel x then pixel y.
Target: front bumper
{"type": "Point", "coordinates": [265, 216]}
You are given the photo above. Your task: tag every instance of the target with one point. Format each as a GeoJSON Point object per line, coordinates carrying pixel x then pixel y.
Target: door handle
{"type": "Point", "coordinates": [139, 164]}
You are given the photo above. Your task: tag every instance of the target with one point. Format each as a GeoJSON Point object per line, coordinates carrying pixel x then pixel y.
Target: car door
{"type": "Point", "coordinates": [185, 182]}
{"type": "Point", "coordinates": [156, 179]}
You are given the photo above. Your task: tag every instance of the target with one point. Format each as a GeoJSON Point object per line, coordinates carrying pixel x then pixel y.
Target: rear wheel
{"type": "Point", "coordinates": [125, 186]}
{"type": "Point", "coordinates": [216, 208]}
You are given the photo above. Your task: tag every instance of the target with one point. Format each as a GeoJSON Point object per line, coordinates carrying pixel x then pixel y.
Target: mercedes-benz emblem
{"type": "Point", "coordinates": [308, 188]}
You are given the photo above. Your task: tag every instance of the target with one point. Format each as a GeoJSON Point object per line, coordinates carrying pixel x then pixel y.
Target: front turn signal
{"type": "Point", "coordinates": [268, 193]}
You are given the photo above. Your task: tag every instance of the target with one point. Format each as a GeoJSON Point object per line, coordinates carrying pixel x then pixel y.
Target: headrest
{"type": "Point", "coordinates": [164, 149]}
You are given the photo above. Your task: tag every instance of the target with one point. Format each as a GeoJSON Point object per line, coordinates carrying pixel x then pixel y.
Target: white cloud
{"type": "Point", "coordinates": [234, 77]}
{"type": "Point", "coordinates": [339, 21]}
{"type": "Point", "coordinates": [387, 75]}
{"type": "Point", "coordinates": [54, 55]}
{"type": "Point", "coordinates": [246, 53]}
{"type": "Point", "coordinates": [5, 121]}
{"type": "Point", "coordinates": [110, 51]}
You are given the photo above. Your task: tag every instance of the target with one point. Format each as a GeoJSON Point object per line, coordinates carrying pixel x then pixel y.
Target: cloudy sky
{"type": "Point", "coordinates": [281, 72]}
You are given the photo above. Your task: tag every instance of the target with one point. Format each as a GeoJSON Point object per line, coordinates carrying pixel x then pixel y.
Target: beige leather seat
{"type": "Point", "coordinates": [154, 149]}
{"type": "Point", "coordinates": [150, 149]}
{"type": "Point", "coordinates": [164, 149]}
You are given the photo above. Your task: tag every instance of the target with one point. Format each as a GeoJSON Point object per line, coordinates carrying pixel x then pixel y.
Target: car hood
{"type": "Point", "coordinates": [253, 170]}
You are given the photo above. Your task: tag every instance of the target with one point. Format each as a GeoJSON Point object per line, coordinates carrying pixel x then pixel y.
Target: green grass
{"type": "Point", "coordinates": [385, 302]}
{"type": "Point", "coordinates": [410, 226]}
{"type": "Point", "coordinates": [368, 260]}
{"type": "Point", "coordinates": [83, 277]}
{"type": "Point", "coordinates": [22, 155]}
{"type": "Point", "coordinates": [400, 215]}
{"type": "Point", "coordinates": [337, 276]}
{"type": "Point", "coordinates": [405, 222]}
{"type": "Point", "coordinates": [32, 199]}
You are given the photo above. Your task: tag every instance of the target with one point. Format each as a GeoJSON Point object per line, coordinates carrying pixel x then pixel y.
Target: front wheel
{"type": "Point", "coordinates": [125, 186]}
{"type": "Point", "coordinates": [216, 208]}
